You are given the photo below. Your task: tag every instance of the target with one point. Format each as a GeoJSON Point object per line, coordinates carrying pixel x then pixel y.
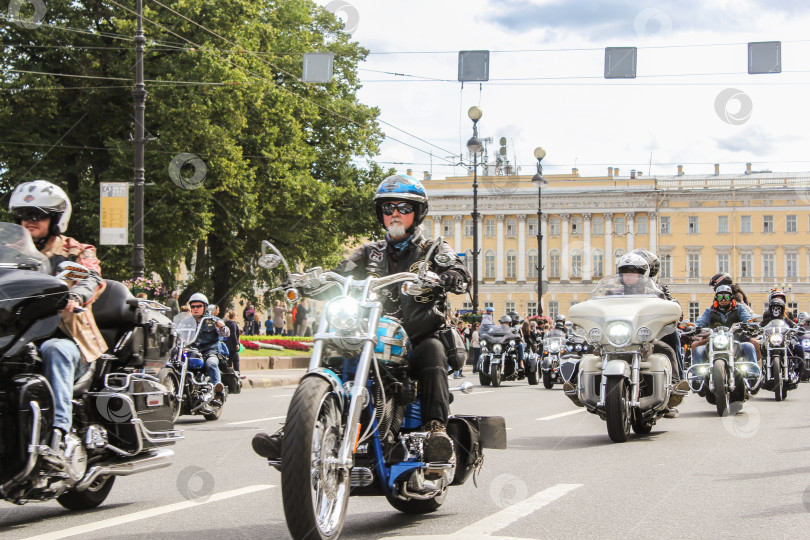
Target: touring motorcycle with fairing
{"type": "Point", "coordinates": [499, 357]}
{"type": "Point", "coordinates": [121, 416]}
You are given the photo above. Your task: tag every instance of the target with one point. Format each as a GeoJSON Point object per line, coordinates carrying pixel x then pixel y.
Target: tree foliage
{"type": "Point", "coordinates": [223, 83]}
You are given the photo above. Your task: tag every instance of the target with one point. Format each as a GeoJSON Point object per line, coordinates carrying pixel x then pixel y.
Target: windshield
{"type": "Point", "coordinates": [625, 285]}
{"type": "Point", "coordinates": [186, 327]}
{"type": "Point", "coordinates": [776, 326]}
{"type": "Point", "coordinates": [17, 248]}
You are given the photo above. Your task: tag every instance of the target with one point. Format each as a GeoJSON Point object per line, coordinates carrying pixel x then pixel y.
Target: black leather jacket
{"type": "Point", "coordinates": [423, 315]}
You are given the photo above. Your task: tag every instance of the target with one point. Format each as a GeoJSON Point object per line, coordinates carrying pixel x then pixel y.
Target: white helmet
{"type": "Point", "coordinates": [633, 263]}
{"type": "Point", "coordinates": [44, 196]}
{"type": "Point", "coordinates": [198, 297]}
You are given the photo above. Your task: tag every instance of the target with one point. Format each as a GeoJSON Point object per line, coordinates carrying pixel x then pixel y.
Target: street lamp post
{"type": "Point", "coordinates": [539, 180]}
{"type": "Point", "coordinates": [475, 147]}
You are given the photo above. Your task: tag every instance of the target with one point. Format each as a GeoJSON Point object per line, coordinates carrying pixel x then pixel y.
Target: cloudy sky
{"type": "Point", "coordinates": [692, 102]}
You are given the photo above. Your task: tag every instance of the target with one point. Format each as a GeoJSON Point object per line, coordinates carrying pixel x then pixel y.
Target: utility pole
{"type": "Point", "coordinates": [139, 96]}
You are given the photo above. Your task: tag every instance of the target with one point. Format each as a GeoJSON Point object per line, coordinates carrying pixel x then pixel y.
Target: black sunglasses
{"type": "Point", "coordinates": [31, 215]}
{"type": "Point", "coordinates": [723, 296]}
{"type": "Point", "coordinates": [195, 306]}
{"type": "Point", "coordinates": [403, 208]}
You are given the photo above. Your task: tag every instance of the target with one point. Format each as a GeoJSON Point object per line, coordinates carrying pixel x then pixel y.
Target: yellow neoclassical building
{"type": "Point", "coordinates": [753, 225]}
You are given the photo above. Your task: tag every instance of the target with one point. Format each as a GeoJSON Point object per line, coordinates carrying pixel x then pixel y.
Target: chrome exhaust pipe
{"type": "Point", "coordinates": [157, 459]}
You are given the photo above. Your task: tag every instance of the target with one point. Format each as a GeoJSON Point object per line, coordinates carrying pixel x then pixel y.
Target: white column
{"type": "Point", "coordinates": [437, 226]}
{"type": "Point", "coordinates": [586, 255]}
{"type": "Point", "coordinates": [500, 263]}
{"type": "Point", "coordinates": [610, 265]}
{"type": "Point", "coordinates": [565, 257]}
{"type": "Point", "coordinates": [457, 230]}
{"type": "Point", "coordinates": [631, 233]}
{"type": "Point", "coordinates": [521, 261]}
{"type": "Point", "coordinates": [653, 218]}
{"type": "Point", "coordinates": [544, 247]}
{"type": "Point", "coordinates": [481, 255]}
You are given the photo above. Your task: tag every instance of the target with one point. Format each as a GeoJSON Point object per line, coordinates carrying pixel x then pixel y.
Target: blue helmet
{"type": "Point", "coordinates": [401, 187]}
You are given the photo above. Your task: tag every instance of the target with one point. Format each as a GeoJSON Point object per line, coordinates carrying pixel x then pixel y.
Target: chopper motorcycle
{"type": "Point", "coordinates": [781, 370]}
{"type": "Point", "coordinates": [628, 381]}
{"type": "Point", "coordinates": [121, 416]}
{"type": "Point", "coordinates": [353, 426]}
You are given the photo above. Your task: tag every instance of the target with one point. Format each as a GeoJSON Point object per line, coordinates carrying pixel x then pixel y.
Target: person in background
{"type": "Point", "coordinates": [475, 346]}
{"type": "Point", "coordinates": [173, 304]}
{"type": "Point", "coordinates": [142, 296]}
{"type": "Point", "coordinates": [301, 319]}
{"type": "Point", "coordinates": [279, 317]}
{"type": "Point", "coordinates": [269, 330]}
{"type": "Point", "coordinates": [232, 341]}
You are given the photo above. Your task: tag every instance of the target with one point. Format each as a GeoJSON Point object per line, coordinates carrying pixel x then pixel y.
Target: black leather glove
{"type": "Point", "coordinates": [453, 282]}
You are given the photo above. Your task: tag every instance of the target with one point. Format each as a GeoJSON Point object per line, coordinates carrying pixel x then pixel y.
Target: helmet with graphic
{"type": "Point", "coordinates": [401, 187]}
{"type": "Point", "coordinates": [45, 197]}
{"type": "Point", "coordinates": [721, 278]}
{"type": "Point", "coordinates": [803, 317]}
{"type": "Point", "coordinates": [777, 294]}
{"type": "Point", "coordinates": [392, 342]}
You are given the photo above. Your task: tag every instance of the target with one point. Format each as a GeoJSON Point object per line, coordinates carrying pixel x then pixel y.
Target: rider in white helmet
{"type": "Point", "coordinates": [44, 209]}
{"type": "Point", "coordinates": [207, 342]}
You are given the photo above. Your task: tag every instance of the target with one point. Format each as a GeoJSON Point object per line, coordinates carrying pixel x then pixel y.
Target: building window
{"type": "Point", "coordinates": [489, 304]}
{"type": "Point", "coordinates": [598, 263]}
{"type": "Point", "coordinates": [767, 224]}
{"type": "Point", "coordinates": [576, 226]}
{"type": "Point", "coordinates": [641, 225]}
{"type": "Point", "coordinates": [554, 226]}
{"type": "Point", "coordinates": [768, 265]}
{"type": "Point", "coordinates": [553, 309]}
{"type": "Point", "coordinates": [531, 262]}
{"type": "Point", "coordinates": [791, 265]}
{"type": "Point", "coordinates": [468, 227]}
{"type": "Point", "coordinates": [618, 225]}
{"type": "Point", "coordinates": [554, 264]}
{"type": "Point", "coordinates": [428, 226]}
{"type": "Point", "coordinates": [723, 263]}
{"type": "Point", "coordinates": [532, 226]}
{"type": "Point", "coordinates": [694, 225]}
{"type": "Point", "coordinates": [746, 265]}
{"type": "Point", "coordinates": [664, 222]}
{"type": "Point", "coordinates": [510, 307]}
{"type": "Point", "coordinates": [791, 224]}
{"type": "Point", "coordinates": [531, 309]}
{"type": "Point", "coordinates": [466, 306]}
{"type": "Point", "coordinates": [576, 264]}
{"type": "Point", "coordinates": [489, 264]}
{"type": "Point", "coordinates": [666, 266]}
{"type": "Point", "coordinates": [489, 227]}
{"type": "Point", "coordinates": [693, 265]}
{"type": "Point", "coordinates": [598, 226]}
{"type": "Point", "coordinates": [745, 224]}
{"type": "Point", "coordinates": [793, 309]}
{"type": "Point", "coordinates": [511, 264]}
{"type": "Point", "coordinates": [447, 228]}
{"type": "Point", "coordinates": [722, 224]}
{"type": "Point", "coordinates": [511, 228]}
{"type": "Point", "coordinates": [694, 311]}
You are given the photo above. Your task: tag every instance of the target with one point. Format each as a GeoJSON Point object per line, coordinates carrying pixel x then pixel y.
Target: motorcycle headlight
{"type": "Point", "coordinates": [644, 334]}
{"type": "Point", "coordinates": [343, 313]}
{"type": "Point", "coordinates": [619, 333]}
{"type": "Point", "coordinates": [483, 343]}
{"type": "Point", "coordinates": [594, 335]}
{"type": "Point", "coordinates": [806, 343]}
{"type": "Point", "coordinates": [569, 347]}
{"type": "Point", "coordinates": [578, 347]}
{"type": "Point", "coordinates": [720, 342]}
{"type": "Point", "coordinates": [554, 347]}
{"type": "Point", "coordinates": [512, 342]}
{"type": "Point", "coordinates": [775, 340]}
{"type": "Point", "coordinates": [496, 349]}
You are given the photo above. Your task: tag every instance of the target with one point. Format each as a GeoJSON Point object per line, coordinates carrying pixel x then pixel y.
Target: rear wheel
{"type": "Point", "coordinates": [168, 378]}
{"type": "Point", "coordinates": [548, 380]}
{"type": "Point", "coordinates": [640, 426]}
{"type": "Point", "coordinates": [90, 497]}
{"type": "Point", "coordinates": [617, 409]}
{"type": "Point", "coordinates": [532, 377]}
{"type": "Point", "coordinates": [215, 413]}
{"type": "Point", "coordinates": [416, 506]}
{"type": "Point", "coordinates": [720, 390]}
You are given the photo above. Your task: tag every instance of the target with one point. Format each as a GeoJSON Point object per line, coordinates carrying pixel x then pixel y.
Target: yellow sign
{"type": "Point", "coordinates": [114, 213]}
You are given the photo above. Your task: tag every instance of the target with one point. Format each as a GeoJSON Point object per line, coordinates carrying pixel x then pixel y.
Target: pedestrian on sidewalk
{"type": "Point", "coordinates": [232, 341]}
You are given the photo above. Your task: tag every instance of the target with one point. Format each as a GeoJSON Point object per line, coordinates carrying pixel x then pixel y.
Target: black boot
{"type": "Point", "coordinates": [268, 446]}
{"type": "Point", "coordinates": [438, 446]}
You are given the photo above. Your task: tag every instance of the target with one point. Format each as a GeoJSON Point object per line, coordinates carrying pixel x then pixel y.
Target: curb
{"type": "Point", "coordinates": [271, 382]}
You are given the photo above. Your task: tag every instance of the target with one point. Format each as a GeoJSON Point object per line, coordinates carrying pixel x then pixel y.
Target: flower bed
{"type": "Point", "coordinates": [287, 344]}
{"type": "Point", "coordinates": [249, 345]}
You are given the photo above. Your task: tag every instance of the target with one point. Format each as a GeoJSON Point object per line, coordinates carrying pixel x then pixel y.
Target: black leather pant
{"type": "Point", "coordinates": [429, 367]}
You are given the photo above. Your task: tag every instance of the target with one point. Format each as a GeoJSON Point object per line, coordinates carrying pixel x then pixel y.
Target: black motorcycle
{"type": "Point", "coordinates": [499, 357]}
{"type": "Point", "coordinates": [562, 354]}
{"type": "Point", "coordinates": [187, 379]}
{"type": "Point", "coordinates": [781, 370]}
{"type": "Point", "coordinates": [804, 340]}
{"type": "Point", "coordinates": [121, 416]}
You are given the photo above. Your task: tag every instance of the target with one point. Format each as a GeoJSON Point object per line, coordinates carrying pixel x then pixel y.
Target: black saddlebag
{"type": "Point", "coordinates": [471, 434]}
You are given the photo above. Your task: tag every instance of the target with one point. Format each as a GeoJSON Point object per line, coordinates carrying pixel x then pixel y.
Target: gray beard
{"type": "Point", "coordinates": [397, 231]}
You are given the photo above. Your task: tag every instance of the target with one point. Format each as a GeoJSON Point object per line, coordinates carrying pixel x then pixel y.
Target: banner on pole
{"type": "Point", "coordinates": [114, 214]}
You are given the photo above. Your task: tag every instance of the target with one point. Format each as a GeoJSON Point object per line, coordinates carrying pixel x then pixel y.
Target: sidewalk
{"type": "Point", "coordinates": [270, 378]}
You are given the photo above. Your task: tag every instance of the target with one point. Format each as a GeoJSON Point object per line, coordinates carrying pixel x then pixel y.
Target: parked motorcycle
{"type": "Point", "coordinates": [187, 379]}
{"type": "Point", "coordinates": [726, 377]}
{"type": "Point", "coordinates": [499, 358]}
{"type": "Point", "coordinates": [121, 416]}
{"type": "Point", "coordinates": [629, 382]}
{"type": "Point", "coordinates": [781, 371]}
{"type": "Point", "coordinates": [353, 426]}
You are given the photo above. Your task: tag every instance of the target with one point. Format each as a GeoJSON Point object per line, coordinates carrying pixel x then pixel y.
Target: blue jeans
{"type": "Point", "coordinates": [699, 353]}
{"type": "Point", "coordinates": [63, 365]}
{"type": "Point", "coordinates": [212, 367]}
{"type": "Point", "coordinates": [476, 358]}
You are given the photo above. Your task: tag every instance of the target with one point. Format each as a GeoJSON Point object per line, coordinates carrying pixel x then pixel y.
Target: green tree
{"type": "Point", "coordinates": [223, 85]}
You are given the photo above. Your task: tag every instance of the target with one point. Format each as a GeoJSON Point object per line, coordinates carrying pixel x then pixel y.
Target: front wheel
{"type": "Point", "coordinates": [531, 376]}
{"type": "Point", "coordinates": [315, 491]}
{"type": "Point", "coordinates": [495, 375]}
{"type": "Point", "coordinates": [90, 497]}
{"type": "Point", "coordinates": [416, 506]}
{"type": "Point", "coordinates": [168, 378]}
{"type": "Point", "coordinates": [778, 383]}
{"type": "Point", "coordinates": [617, 409]}
{"type": "Point", "coordinates": [483, 379]}
{"type": "Point", "coordinates": [548, 380]}
{"type": "Point", "coordinates": [720, 390]}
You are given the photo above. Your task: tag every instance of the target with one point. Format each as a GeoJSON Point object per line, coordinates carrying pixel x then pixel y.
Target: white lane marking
{"type": "Point", "coordinates": [500, 520]}
{"type": "Point", "coordinates": [474, 393]}
{"type": "Point", "coordinates": [255, 420]}
{"type": "Point", "coordinates": [555, 416]}
{"type": "Point", "coordinates": [145, 514]}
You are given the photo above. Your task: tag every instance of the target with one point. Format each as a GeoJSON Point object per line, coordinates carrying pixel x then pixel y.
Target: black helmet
{"type": "Point", "coordinates": [401, 187]}
{"type": "Point", "coordinates": [506, 319]}
{"type": "Point", "coordinates": [515, 317]}
{"type": "Point", "coordinates": [722, 278]}
{"type": "Point", "coordinates": [652, 260]}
